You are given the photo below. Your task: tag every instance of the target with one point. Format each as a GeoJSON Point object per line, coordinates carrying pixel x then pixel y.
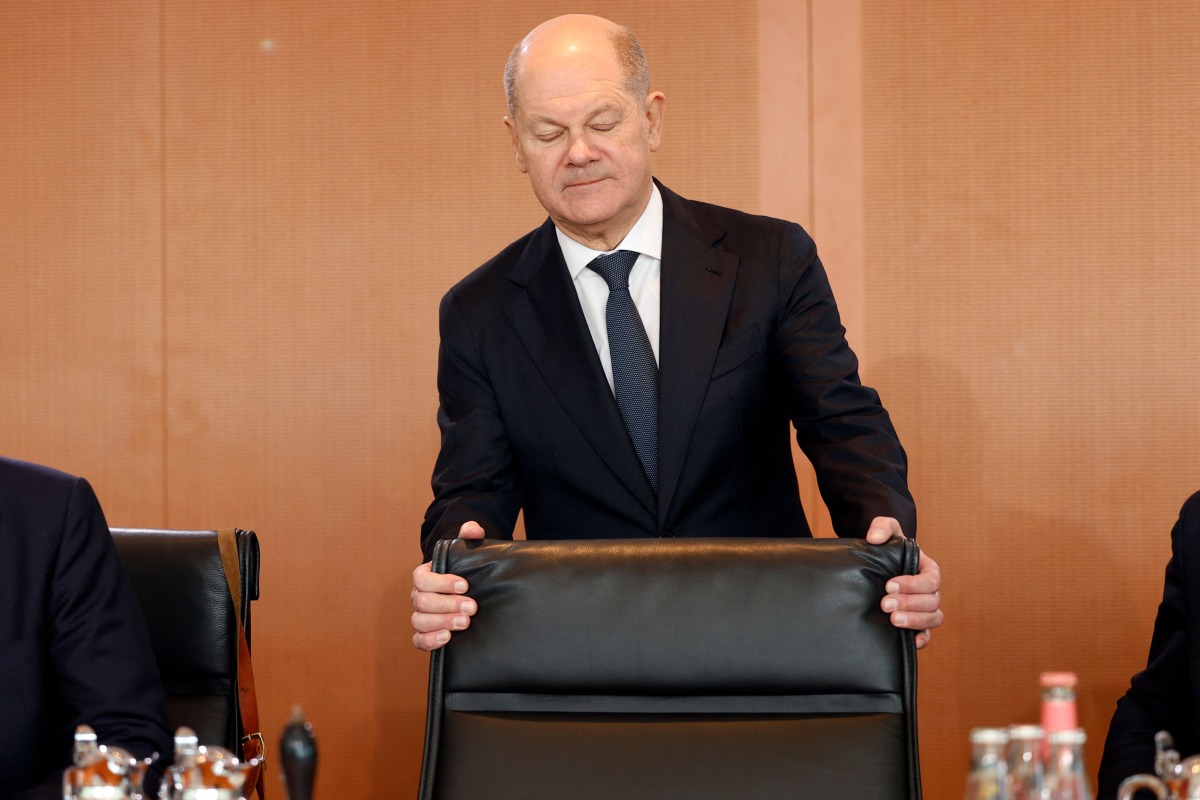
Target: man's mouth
{"type": "Point", "coordinates": [584, 184]}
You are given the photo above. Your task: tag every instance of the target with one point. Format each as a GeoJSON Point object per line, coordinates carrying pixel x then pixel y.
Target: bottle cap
{"type": "Point", "coordinates": [989, 736]}
{"type": "Point", "coordinates": [1025, 732]}
{"type": "Point", "coordinates": [1059, 679]}
{"type": "Point", "coordinates": [1072, 736]}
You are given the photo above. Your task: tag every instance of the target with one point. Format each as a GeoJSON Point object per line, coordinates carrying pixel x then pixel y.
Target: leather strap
{"type": "Point", "coordinates": [252, 740]}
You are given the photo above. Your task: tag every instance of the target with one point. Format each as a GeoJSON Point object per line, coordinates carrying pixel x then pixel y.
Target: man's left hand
{"type": "Point", "coordinates": [912, 601]}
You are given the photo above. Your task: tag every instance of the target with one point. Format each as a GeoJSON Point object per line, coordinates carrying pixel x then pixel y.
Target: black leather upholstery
{"type": "Point", "coordinates": [182, 588]}
{"type": "Point", "coordinates": [686, 668]}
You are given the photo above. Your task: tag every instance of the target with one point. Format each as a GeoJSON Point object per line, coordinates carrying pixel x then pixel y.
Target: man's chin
{"type": "Point", "coordinates": [586, 215]}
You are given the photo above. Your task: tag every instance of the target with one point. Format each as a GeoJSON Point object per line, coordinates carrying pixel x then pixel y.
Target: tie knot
{"type": "Point", "coordinates": [614, 268]}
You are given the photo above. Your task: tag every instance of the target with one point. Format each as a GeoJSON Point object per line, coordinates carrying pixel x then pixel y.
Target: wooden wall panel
{"type": "Point", "coordinates": [1008, 219]}
{"type": "Point", "coordinates": [836, 165]}
{"type": "Point", "coordinates": [1031, 250]}
{"type": "Point", "coordinates": [80, 287]}
{"type": "Point", "coordinates": [785, 166]}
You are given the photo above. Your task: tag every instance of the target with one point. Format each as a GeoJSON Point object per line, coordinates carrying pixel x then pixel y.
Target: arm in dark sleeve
{"type": "Point", "coordinates": [1160, 696]}
{"type": "Point", "coordinates": [841, 425]}
{"type": "Point", "coordinates": [474, 477]}
{"type": "Point", "coordinates": [101, 661]}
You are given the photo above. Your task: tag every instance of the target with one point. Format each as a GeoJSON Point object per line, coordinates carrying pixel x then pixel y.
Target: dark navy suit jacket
{"type": "Point", "coordinates": [73, 643]}
{"type": "Point", "coordinates": [750, 342]}
{"type": "Point", "coordinates": [1165, 695]}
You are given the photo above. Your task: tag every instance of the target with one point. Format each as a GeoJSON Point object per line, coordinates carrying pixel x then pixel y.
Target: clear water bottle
{"type": "Point", "coordinates": [1025, 780]}
{"type": "Point", "coordinates": [1065, 776]}
{"type": "Point", "coordinates": [989, 771]}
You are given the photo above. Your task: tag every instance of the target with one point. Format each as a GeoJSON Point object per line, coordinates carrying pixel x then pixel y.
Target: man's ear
{"type": "Point", "coordinates": [518, 154]}
{"type": "Point", "coordinates": [655, 108]}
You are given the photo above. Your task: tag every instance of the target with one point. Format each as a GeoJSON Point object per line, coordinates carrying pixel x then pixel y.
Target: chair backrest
{"type": "Point", "coordinates": [182, 588]}
{"type": "Point", "coordinates": [675, 668]}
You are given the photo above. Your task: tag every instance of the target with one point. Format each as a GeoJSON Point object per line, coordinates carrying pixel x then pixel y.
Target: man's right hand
{"type": "Point", "coordinates": [440, 604]}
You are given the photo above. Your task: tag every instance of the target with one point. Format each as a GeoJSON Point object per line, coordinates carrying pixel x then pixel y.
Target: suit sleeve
{"type": "Point", "coordinates": [99, 650]}
{"type": "Point", "coordinates": [1160, 697]}
{"type": "Point", "coordinates": [841, 426]}
{"type": "Point", "coordinates": [474, 477]}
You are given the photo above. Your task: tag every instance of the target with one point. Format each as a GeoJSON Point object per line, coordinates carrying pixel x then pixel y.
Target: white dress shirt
{"type": "Point", "coordinates": [646, 239]}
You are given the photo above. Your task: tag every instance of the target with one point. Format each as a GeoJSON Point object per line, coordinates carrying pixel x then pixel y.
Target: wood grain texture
{"type": "Point", "coordinates": [1031, 250]}
{"type": "Point", "coordinates": [227, 227]}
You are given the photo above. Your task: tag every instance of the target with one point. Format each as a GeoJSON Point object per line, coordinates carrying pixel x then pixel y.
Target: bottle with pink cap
{"type": "Point", "coordinates": [1058, 705]}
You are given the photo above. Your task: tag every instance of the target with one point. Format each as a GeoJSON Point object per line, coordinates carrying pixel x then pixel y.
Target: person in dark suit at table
{"type": "Point", "coordinates": [1166, 694]}
{"type": "Point", "coordinates": [648, 393]}
{"type": "Point", "coordinates": [73, 643]}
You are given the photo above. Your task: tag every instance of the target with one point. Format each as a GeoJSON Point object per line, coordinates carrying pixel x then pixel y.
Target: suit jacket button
{"type": "Point", "coordinates": [667, 535]}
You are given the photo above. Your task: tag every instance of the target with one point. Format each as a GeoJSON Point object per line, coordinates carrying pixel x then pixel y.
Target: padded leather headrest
{"type": "Point", "coordinates": [670, 616]}
{"type": "Point", "coordinates": [183, 592]}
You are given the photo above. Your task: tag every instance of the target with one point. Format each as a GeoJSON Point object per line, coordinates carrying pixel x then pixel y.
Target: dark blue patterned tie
{"type": "Point", "coordinates": [635, 373]}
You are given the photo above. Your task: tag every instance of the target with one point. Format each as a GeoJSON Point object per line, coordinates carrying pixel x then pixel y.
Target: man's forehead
{"type": "Point", "coordinates": [565, 63]}
{"type": "Point", "coordinates": [569, 75]}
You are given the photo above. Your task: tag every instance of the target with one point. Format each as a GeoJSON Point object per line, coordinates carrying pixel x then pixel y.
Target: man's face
{"type": "Point", "coordinates": [585, 142]}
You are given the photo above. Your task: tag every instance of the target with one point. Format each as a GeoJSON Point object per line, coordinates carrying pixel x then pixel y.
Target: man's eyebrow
{"type": "Point", "coordinates": [538, 119]}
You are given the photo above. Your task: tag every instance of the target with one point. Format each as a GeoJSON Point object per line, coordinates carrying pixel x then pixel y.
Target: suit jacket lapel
{"type": "Point", "coordinates": [696, 290]}
{"type": "Point", "coordinates": [550, 324]}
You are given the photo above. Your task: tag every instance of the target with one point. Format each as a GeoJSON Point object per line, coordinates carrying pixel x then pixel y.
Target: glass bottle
{"type": "Point", "coordinates": [100, 772]}
{"type": "Point", "coordinates": [1025, 780]}
{"type": "Point", "coordinates": [1166, 757]}
{"type": "Point", "coordinates": [988, 779]}
{"type": "Point", "coordinates": [1065, 776]}
{"type": "Point", "coordinates": [1058, 705]}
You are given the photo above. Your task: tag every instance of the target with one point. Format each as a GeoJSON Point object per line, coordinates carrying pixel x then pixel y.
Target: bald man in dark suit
{"type": "Point", "coordinates": [654, 399]}
{"type": "Point", "coordinates": [73, 643]}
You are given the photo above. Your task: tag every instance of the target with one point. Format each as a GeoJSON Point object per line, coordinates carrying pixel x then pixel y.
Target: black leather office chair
{"type": "Point", "coordinates": [701, 668]}
{"type": "Point", "coordinates": [180, 581]}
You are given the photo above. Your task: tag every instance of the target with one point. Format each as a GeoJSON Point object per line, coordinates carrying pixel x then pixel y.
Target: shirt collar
{"type": "Point", "coordinates": [644, 237]}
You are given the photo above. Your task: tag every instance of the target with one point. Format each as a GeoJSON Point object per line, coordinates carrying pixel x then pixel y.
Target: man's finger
{"type": "Point", "coordinates": [928, 579]}
{"type": "Point", "coordinates": [425, 580]}
{"type": "Point", "coordinates": [911, 602]}
{"type": "Point", "coordinates": [432, 623]}
{"type": "Point", "coordinates": [440, 603]}
{"type": "Point", "coordinates": [914, 584]}
{"type": "Point", "coordinates": [430, 641]}
{"type": "Point", "coordinates": [470, 530]}
{"type": "Point", "coordinates": [883, 529]}
{"type": "Point", "coordinates": [917, 621]}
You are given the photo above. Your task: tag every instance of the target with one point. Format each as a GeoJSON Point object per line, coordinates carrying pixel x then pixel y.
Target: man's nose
{"type": "Point", "coordinates": [580, 151]}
